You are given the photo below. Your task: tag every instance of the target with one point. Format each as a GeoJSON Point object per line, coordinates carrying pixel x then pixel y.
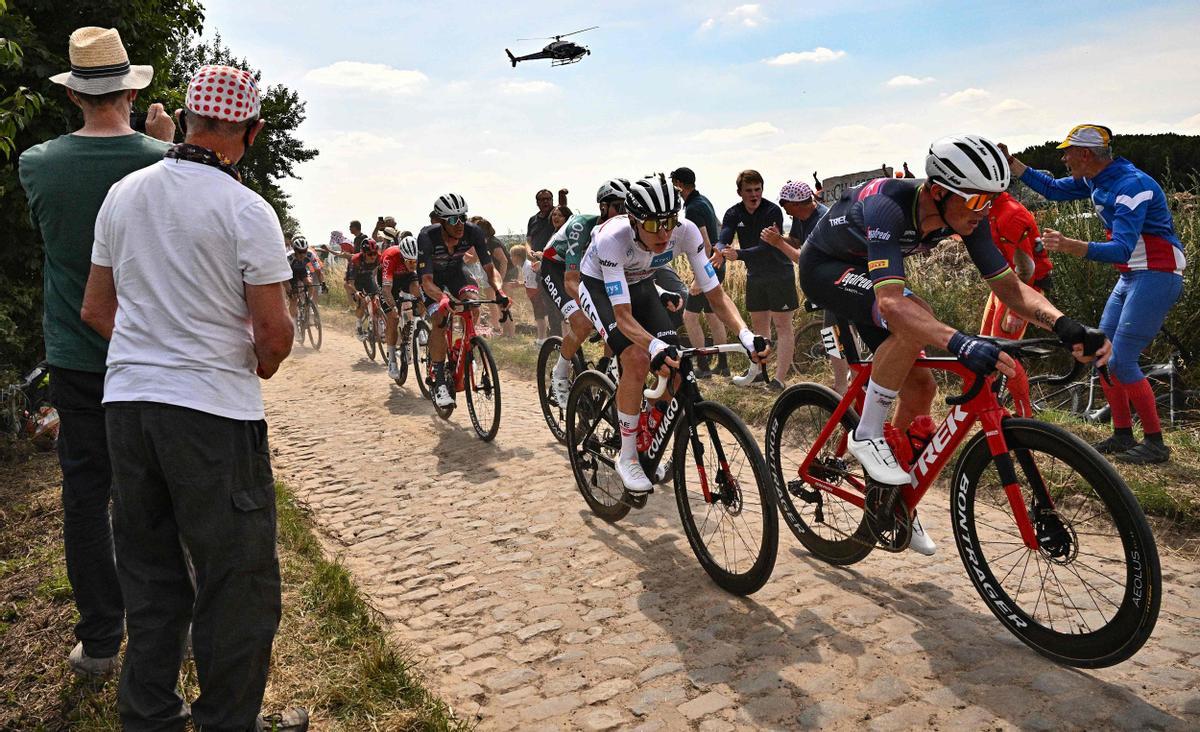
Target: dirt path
{"type": "Point", "coordinates": [532, 614]}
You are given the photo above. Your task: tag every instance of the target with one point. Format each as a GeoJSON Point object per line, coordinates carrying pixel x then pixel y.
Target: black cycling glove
{"type": "Point", "coordinates": [661, 355]}
{"type": "Point", "coordinates": [978, 354]}
{"type": "Point", "coordinates": [670, 299]}
{"type": "Point", "coordinates": [1072, 332]}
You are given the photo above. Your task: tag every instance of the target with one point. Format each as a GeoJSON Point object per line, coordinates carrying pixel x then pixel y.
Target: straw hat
{"type": "Point", "coordinates": [99, 64]}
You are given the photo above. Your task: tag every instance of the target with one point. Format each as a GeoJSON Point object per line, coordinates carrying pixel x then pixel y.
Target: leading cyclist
{"type": "Point", "coordinates": [440, 264]}
{"type": "Point", "coordinates": [853, 265]}
{"type": "Point", "coordinates": [634, 299]}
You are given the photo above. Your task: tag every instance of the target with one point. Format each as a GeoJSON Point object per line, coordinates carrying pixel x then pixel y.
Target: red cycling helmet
{"type": "Point", "coordinates": [370, 246]}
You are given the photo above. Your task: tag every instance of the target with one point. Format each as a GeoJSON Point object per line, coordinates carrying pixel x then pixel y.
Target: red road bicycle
{"type": "Point", "coordinates": [470, 367]}
{"type": "Point", "coordinates": [372, 326]}
{"type": "Point", "coordinates": [1051, 536]}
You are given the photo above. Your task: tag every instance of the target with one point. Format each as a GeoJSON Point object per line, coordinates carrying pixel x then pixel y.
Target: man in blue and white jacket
{"type": "Point", "coordinates": [1145, 249]}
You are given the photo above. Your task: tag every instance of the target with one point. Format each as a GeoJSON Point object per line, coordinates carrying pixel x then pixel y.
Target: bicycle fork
{"type": "Point", "coordinates": [992, 421]}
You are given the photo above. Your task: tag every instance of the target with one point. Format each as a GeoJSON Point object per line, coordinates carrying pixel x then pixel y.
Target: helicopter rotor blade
{"type": "Point", "coordinates": [547, 38]}
{"type": "Point", "coordinates": [585, 30]}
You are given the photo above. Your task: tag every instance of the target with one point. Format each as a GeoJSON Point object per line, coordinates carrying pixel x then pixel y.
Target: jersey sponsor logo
{"type": "Point", "coordinates": [850, 278]}
{"type": "Point", "coordinates": [708, 270]}
{"type": "Point", "coordinates": [661, 260]}
{"type": "Point", "coordinates": [878, 234]}
{"type": "Point", "coordinates": [875, 264]}
{"type": "Point", "coordinates": [607, 263]}
{"type": "Point", "coordinates": [837, 221]}
{"type": "Point", "coordinates": [613, 288]}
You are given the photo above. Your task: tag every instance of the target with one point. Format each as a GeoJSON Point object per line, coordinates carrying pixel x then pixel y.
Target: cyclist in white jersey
{"type": "Point", "coordinates": [635, 300]}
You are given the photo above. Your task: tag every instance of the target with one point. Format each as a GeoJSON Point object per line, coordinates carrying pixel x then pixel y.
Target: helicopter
{"type": "Point", "coordinates": [560, 52]}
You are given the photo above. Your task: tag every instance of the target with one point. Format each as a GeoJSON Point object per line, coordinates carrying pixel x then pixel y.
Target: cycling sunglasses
{"type": "Point", "coordinates": [455, 220]}
{"type": "Point", "coordinates": [653, 226]}
{"type": "Point", "coordinates": [975, 201]}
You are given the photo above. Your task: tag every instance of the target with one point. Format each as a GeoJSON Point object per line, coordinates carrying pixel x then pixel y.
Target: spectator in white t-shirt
{"type": "Point", "coordinates": [521, 261]}
{"type": "Point", "coordinates": [187, 281]}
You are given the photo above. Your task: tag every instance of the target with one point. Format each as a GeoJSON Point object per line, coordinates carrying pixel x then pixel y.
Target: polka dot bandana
{"type": "Point", "coordinates": [224, 93]}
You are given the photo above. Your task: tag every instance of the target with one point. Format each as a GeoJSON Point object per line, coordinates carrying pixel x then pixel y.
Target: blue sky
{"type": "Point", "coordinates": [409, 100]}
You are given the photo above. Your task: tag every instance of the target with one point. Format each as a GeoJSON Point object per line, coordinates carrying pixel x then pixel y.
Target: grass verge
{"type": "Point", "coordinates": [331, 654]}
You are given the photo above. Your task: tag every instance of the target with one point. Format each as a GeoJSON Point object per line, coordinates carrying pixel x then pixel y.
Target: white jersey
{"type": "Point", "coordinates": [617, 259]}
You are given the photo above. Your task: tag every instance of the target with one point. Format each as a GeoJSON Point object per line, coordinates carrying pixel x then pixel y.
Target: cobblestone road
{"type": "Point", "coordinates": [532, 614]}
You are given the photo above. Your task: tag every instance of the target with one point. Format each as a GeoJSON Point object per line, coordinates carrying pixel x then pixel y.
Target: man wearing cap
{"type": "Point", "coordinates": [1147, 252]}
{"type": "Point", "coordinates": [65, 181]}
{"type": "Point", "coordinates": [699, 210]}
{"type": "Point", "coordinates": [187, 282]}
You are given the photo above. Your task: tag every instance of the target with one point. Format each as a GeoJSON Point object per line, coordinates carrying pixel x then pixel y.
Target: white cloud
{"type": "Point", "coordinates": [1191, 124]}
{"type": "Point", "coordinates": [966, 96]}
{"type": "Point", "coordinates": [818, 55]}
{"type": "Point", "coordinates": [736, 134]}
{"type": "Point", "coordinates": [527, 87]}
{"type": "Point", "coordinates": [745, 16]}
{"type": "Point", "coordinates": [1011, 105]}
{"type": "Point", "coordinates": [906, 80]}
{"type": "Point", "coordinates": [376, 77]}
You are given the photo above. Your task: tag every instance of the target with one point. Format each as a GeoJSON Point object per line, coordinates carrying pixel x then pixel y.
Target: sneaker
{"type": "Point", "coordinates": [633, 476]}
{"type": "Point", "coordinates": [84, 665]}
{"type": "Point", "coordinates": [393, 368]}
{"type": "Point", "coordinates": [877, 459]}
{"type": "Point", "coordinates": [920, 542]}
{"type": "Point", "coordinates": [441, 395]}
{"type": "Point", "coordinates": [1115, 444]}
{"type": "Point", "coordinates": [776, 385]}
{"type": "Point", "coordinates": [560, 387]}
{"type": "Point", "coordinates": [289, 720]}
{"type": "Point", "coordinates": [1146, 453]}
{"type": "Point", "coordinates": [753, 374]}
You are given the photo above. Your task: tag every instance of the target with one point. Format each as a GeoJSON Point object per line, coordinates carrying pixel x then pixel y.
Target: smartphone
{"type": "Point", "coordinates": [137, 120]}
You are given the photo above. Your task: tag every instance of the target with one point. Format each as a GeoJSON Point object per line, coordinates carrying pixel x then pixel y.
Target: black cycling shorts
{"type": "Point", "coordinates": [698, 303]}
{"type": "Point", "coordinates": [552, 277]}
{"type": "Point", "coordinates": [845, 290]}
{"type": "Point", "coordinates": [648, 309]}
{"type": "Point", "coordinates": [402, 284]}
{"type": "Point", "coordinates": [774, 294]}
{"type": "Point", "coordinates": [454, 281]}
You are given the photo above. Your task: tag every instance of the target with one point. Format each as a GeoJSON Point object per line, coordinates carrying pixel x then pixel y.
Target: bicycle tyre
{"type": "Point", "coordinates": [588, 394]}
{"type": "Point", "coordinates": [420, 356]}
{"type": "Point", "coordinates": [809, 353]}
{"type": "Point", "coordinates": [731, 504]}
{"type": "Point", "coordinates": [368, 342]}
{"type": "Point", "coordinates": [853, 541]}
{"type": "Point", "coordinates": [1131, 624]}
{"type": "Point", "coordinates": [402, 353]}
{"type": "Point", "coordinates": [314, 324]}
{"type": "Point", "coordinates": [380, 328]}
{"type": "Point", "coordinates": [1047, 393]}
{"type": "Point", "coordinates": [554, 414]}
{"type": "Point", "coordinates": [487, 383]}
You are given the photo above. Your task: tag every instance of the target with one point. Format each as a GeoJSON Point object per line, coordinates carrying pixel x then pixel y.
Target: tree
{"type": "Point", "coordinates": [1172, 160]}
{"type": "Point", "coordinates": [277, 150]}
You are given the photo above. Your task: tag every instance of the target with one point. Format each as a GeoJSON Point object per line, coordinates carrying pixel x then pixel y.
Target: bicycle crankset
{"type": "Point", "coordinates": [887, 517]}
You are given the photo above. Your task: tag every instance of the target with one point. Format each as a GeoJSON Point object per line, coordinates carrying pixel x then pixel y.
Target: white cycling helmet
{"type": "Point", "coordinates": [652, 198]}
{"type": "Point", "coordinates": [450, 204]}
{"type": "Point", "coordinates": [408, 247]}
{"type": "Point", "coordinates": [967, 163]}
{"type": "Point", "coordinates": [615, 188]}
{"type": "Point", "coordinates": [299, 243]}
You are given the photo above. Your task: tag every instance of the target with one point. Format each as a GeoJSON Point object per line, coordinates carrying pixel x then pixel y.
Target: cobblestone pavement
{"type": "Point", "coordinates": [532, 614]}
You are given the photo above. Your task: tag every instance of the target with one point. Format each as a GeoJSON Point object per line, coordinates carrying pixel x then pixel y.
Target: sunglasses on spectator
{"type": "Point", "coordinates": [454, 220]}
{"type": "Point", "coordinates": [653, 226]}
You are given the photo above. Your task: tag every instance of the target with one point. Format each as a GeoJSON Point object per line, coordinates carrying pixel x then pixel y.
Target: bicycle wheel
{"type": "Point", "coordinates": [380, 332]}
{"type": "Point", "coordinates": [554, 413]}
{"type": "Point", "coordinates": [402, 353]}
{"type": "Point", "coordinates": [1047, 393]}
{"type": "Point", "coordinates": [1089, 596]}
{"type": "Point", "coordinates": [312, 325]}
{"type": "Point", "coordinates": [482, 384]}
{"type": "Point", "coordinates": [368, 328]}
{"type": "Point", "coordinates": [735, 531]}
{"type": "Point", "coordinates": [593, 444]}
{"type": "Point", "coordinates": [420, 356]}
{"type": "Point", "coordinates": [809, 357]}
{"type": "Point", "coordinates": [832, 528]}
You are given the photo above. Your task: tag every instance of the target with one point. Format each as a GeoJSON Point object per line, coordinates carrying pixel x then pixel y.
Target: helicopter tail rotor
{"type": "Point", "coordinates": [511, 57]}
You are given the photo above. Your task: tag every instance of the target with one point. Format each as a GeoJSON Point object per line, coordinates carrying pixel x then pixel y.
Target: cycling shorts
{"type": "Point", "coordinates": [552, 278]}
{"type": "Point", "coordinates": [844, 289]}
{"type": "Point", "coordinates": [401, 284]}
{"type": "Point", "coordinates": [648, 309]}
{"type": "Point", "coordinates": [454, 281]}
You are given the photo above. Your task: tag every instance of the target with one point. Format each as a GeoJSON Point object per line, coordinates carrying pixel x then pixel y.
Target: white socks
{"type": "Point", "coordinates": [629, 430]}
{"type": "Point", "coordinates": [876, 405]}
{"type": "Point", "coordinates": [562, 369]}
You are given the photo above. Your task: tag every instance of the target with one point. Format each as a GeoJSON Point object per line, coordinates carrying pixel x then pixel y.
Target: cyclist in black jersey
{"type": "Point", "coordinates": [442, 246]}
{"type": "Point", "coordinates": [853, 265]}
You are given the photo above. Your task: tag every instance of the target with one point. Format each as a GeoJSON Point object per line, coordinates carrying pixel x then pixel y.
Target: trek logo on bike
{"type": "Point", "coordinates": [613, 288]}
{"type": "Point", "coordinates": [941, 438]}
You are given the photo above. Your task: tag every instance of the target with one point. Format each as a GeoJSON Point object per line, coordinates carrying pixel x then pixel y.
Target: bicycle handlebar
{"type": "Point", "coordinates": [660, 386]}
{"type": "Point", "coordinates": [1025, 348]}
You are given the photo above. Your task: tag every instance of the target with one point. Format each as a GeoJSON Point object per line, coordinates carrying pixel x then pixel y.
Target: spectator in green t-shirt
{"type": "Point", "coordinates": [66, 180]}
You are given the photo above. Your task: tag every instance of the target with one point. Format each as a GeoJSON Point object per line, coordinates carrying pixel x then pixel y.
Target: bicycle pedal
{"type": "Point", "coordinates": [636, 500]}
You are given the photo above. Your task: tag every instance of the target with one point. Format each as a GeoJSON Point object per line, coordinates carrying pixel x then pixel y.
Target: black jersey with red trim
{"type": "Point", "coordinates": [434, 256]}
{"type": "Point", "coordinates": [876, 223]}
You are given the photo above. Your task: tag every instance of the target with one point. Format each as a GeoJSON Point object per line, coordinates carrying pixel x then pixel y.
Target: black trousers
{"type": "Point", "coordinates": [188, 479]}
{"type": "Point", "coordinates": [87, 529]}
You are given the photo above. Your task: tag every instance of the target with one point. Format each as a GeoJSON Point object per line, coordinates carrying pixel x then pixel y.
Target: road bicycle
{"type": "Point", "coordinates": [1050, 535]}
{"type": "Point", "coordinates": [721, 488]}
{"type": "Point", "coordinates": [308, 317]}
{"type": "Point", "coordinates": [25, 401]}
{"type": "Point", "coordinates": [554, 413]}
{"type": "Point", "coordinates": [372, 326]}
{"type": "Point", "coordinates": [408, 321]}
{"type": "Point", "coordinates": [470, 367]}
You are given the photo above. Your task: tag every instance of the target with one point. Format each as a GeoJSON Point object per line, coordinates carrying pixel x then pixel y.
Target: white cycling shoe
{"type": "Point", "coordinates": [752, 375]}
{"type": "Point", "coordinates": [393, 368]}
{"type": "Point", "coordinates": [633, 476]}
{"type": "Point", "coordinates": [560, 387]}
{"type": "Point", "coordinates": [441, 396]}
{"type": "Point", "coordinates": [920, 542]}
{"type": "Point", "coordinates": [877, 459]}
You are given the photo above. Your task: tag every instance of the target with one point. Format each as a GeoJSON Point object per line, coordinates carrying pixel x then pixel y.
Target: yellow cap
{"type": "Point", "coordinates": [1087, 136]}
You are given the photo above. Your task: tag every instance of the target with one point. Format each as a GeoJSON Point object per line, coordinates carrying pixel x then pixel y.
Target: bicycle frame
{"type": "Point", "coordinates": [983, 407]}
{"type": "Point", "coordinates": [462, 310]}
